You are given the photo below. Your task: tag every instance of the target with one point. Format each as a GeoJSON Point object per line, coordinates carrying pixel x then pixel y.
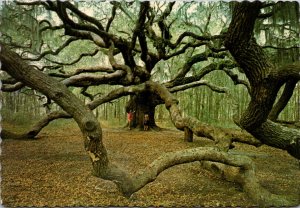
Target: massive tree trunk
{"type": "Point", "coordinates": [141, 104]}
{"type": "Point", "coordinates": [265, 80]}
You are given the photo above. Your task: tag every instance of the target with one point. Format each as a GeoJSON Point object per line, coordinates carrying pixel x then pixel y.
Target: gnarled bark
{"type": "Point", "coordinates": [265, 80]}
{"type": "Point", "coordinates": [141, 104]}
{"type": "Point", "coordinates": [87, 122]}
{"type": "Point", "coordinates": [246, 173]}
{"type": "Point", "coordinates": [198, 128]}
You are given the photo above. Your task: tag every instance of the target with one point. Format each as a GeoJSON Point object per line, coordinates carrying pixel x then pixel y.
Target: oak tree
{"type": "Point", "coordinates": [134, 54]}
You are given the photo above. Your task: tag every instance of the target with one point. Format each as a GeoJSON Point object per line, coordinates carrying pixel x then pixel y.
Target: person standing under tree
{"type": "Point", "coordinates": [130, 118]}
{"type": "Point", "coordinates": [146, 122]}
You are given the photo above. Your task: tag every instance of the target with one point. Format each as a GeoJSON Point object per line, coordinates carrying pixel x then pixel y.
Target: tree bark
{"type": "Point", "coordinates": [265, 80]}
{"type": "Point", "coordinates": [141, 104]}
{"type": "Point", "coordinates": [87, 122]}
{"type": "Point", "coordinates": [188, 135]}
{"type": "Point", "coordinates": [217, 134]}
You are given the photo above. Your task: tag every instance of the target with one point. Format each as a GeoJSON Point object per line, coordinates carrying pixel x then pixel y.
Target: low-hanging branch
{"type": "Point", "coordinates": [203, 130]}
{"type": "Point", "coordinates": [213, 87]}
{"type": "Point", "coordinates": [204, 71]}
{"type": "Point", "coordinates": [196, 59]}
{"type": "Point", "coordinates": [93, 69]}
{"type": "Point", "coordinates": [12, 87]}
{"type": "Point", "coordinates": [216, 134]}
{"type": "Point", "coordinates": [235, 78]}
{"type": "Point", "coordinates": [83, 80]}
{"type": "Point", "coordinates": [76, 60]}
{"type": "Point", "coordinates": [37, 127]}
{"type": "Point", "coordinates": [50, 52]}
{"type": "Point", "coordinates": [246, 177]}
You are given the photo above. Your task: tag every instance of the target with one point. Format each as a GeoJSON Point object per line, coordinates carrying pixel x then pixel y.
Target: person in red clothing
{"type": "Point", "coordinates": [130, 118]}
{"type": "Point", "coordinates": [146, 122]}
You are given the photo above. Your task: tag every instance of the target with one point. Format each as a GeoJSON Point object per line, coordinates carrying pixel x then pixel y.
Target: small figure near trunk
{"type": "Point", "coordinates": [130, 118]}
{"type": "Point", "coordinates": [146, 122]}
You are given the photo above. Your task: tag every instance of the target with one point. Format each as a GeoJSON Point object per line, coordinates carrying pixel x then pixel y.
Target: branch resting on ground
{"type": "Point", "coordinates": [92, 133]}
{"type": "Point", "coordinates": [219, 135]}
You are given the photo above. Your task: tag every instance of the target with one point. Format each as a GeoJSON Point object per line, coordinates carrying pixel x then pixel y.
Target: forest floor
{"type": "Point", "coordinates": [54, 170]}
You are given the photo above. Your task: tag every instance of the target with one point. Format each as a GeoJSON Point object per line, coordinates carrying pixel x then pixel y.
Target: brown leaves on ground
{"type": "Point", "coordinates": [55, 171]}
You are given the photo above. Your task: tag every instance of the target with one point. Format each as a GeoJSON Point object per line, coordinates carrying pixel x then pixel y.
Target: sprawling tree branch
{"type": "Point", "coordinates": [199, 83]}
{"type": "Point", "coordinates": [12, 87]}
{"type": "Point", "coordinates": [58, 92]}
{"type": "Point", "coordinates": [83, 80]}
{"type": "Point", "coordinates": [204, 71]}
{"type": "Point", "coordinates": [50, 52]}
{"type": "Point", "coordinates": [264, 78]}
{"type": "Point", "coordinates": [246, 175]}
{"type": "Point", "coordinates": [76, 60]}
{"type": "Point", "coordinates": [78, 71]}
{"type": "Point", "coordinates": [200, 129]}
{"type": "Point", "coordinates": [195, 59]}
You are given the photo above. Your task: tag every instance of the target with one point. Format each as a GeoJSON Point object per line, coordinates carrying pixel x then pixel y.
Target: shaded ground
{"type": "Point", "coordinates": [55, 171]}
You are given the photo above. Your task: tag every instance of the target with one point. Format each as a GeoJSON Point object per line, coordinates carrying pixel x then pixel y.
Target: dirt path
{"type": "Point", "coordinates": [55, 171]}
